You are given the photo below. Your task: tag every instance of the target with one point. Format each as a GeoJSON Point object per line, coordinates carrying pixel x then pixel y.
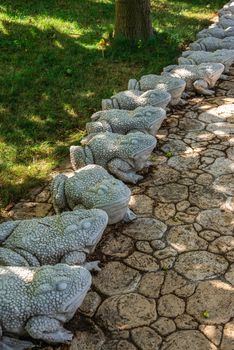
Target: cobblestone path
{"type": "Point", "coordinates": [167, 279]}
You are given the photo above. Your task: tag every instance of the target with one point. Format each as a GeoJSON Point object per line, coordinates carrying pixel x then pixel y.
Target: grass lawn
{"type": "Point", "coordinates": [53, 74]}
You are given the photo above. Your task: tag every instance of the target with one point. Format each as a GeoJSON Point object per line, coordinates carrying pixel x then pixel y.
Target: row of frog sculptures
{"type": "Point", "coordinates": [44, 275]}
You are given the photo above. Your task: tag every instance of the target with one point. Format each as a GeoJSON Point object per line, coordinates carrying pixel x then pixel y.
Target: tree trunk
{"type": "Point", "coordinates": [132, 19]}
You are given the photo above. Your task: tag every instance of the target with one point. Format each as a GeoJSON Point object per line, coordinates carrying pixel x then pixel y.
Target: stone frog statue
{"type": "Point", "coordinates": [92, 187]}
{"type": "Point", "coordinates": [227, 9]}
{"type": "Point", "coordinates": [198, 77]}
{"type": "Point", "coordinates": [65, 238]}
{"type": "Point", "coordinates": [216, 32]}
{"type": "Point", "coordinates": [226, 57]}
{"type": "Point", "coordinates": [213, 44]}
{"type": "Point", "coordinates": [131, 99]}
{"type": "Point", "coordinates": [174, 86]}
{"type": "Point", "coordinates": [226, 21]}
{"type": "Point", "coordinates": [121, 155]}
{"type": "Point", "coordinates": [36, 302]}
{"type": "Point", "coordinates": [145, 119]}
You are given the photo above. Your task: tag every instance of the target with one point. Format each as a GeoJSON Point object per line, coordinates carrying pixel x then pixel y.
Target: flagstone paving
{"type": "Point", "coordinates": [167, 279]}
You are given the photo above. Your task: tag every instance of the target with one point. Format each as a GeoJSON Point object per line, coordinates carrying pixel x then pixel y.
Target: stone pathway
{"type": "Point", "coordinates": [167, 279]}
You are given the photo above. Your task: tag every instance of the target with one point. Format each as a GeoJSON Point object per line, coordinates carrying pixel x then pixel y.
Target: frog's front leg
{"type": "Point", "coordinates": [224, 77]}
{"type": "Point", "coordinates": [48, 329]}
{"type": "Point", "coordinates": [6, 229]}
{"type": "Point", "coordinates": [79, 258]}
{"type": "Point", "coordinates": [10, 258]}
{"type": "Point", "coordinates": [201, 86]}
{"type": "Point", "coordinates": [129, 216]}
{"type": "Point", "coordinates": [7, 343]}
{"type": "Point", "coordinates": [123, 170]}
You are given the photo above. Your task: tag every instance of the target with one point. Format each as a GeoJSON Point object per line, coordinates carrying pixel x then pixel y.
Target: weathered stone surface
{"type": "Point", "coordinates": [216, 298]}
{"type": "Point", "coordinates": [221, 166]}
{"type": "Point", "coordinates": [141, 204]}
{"type": "Point", "coordinates": [170, 306]}
{"type": "Point", "coordinates": [142, 262]}
{"type": "Point", "coordinates": [118, 345]}
{"type": "Point", "coordinates": [164, 174]}
{"type": "Point", "coordinates": [200, 136]}
{"type": "Point", "coordinates": [221, 129]}
{"type": "Point", "coordinates": [183, 205]}
{"type": "Point", "coordinates": [222, 245]}
{"type": "Point", "coordinates": [145, 229]}
{"type": "Point", "coordinates": [90, 304]}
{"type": "Point", "coordinates": [146, 338]}
{"type": "Point", "coordinates": [151, 283]}
{"type": "Point", "coordinates": [189, 124]}
{"type": "Point", "coordinates": [90, 339]}
{"type": "Point", "coordinates": [228, 337]}
{"type": "Point", "coordinates": [164, 326]}
{"type": "Point", "coordinates": [176, 147]}
{"type": "Point", "coordinates": [184, 163]}
{"type": "Point", "coordinates": [117, 245]}
{"type": "Point", "coordinates": [206, 197]}
{"type": "Point", "coordinates": [184, 238]}
{"type": "Point", "coordinates": [184, 340]}
{"type": "Point", "coordinates": [126, 311]}
{"type": "Point", "coordinates": [158, 244]}
{"type": "Point", "coordinates": [185, 291]}
{"type": "Point", "coordinates": [204, 179]}
{"type": "Point", "coordinates": [217, 220]}
{"type": "Point", "coordinates": [144, 247]}
{"type": "Point", "coordinates": [186, 322]}
{"type": "Point", "coordinates": [213, 333]}
{"type": "Point", "coordinates": [169, 193]}
{"type": "Point", "coordinates": [116, 278]}
{"type": "Point", "coordinates": [165, 253]}
{"type": "Point", "coordinates": [229, 275]}
{"type": "Point", "coordinates": [209, 235]}
{"type": "Point", "coordinates": [172, 282]}
{"type": "Point", "coordinates": [225, 184]}
{"type": "Point", "coordinates": [164, 211]}
{"type": "Point", "coordinates": [230, 153]}
{"type": "Point", "coordinates": [218, 114]}
{"type": "Point", "coordinates": [29, 210]}
{"type": "Point", "coordinates": [200, 265]}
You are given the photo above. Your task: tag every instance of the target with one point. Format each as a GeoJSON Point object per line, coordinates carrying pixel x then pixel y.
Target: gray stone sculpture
{"type": "Point", "coordinates": [199, 78]}
{"type": "Point", "coordinates": [227, 9]}
{"type": "Point", "coordinates": [145, 119]}
{"type": "Point", "coordinates": [92, 187]}
{"type": "Point", "coordinates": [175, 86]}
{"type": "Point", "coordinates": [226, 57]}
{"type": "Point", "coordinates": [226, 21]}
{"type": "Point", "coordinates": [131, 99]}
{"type": "Point", "coordinates": [122, 155]}
{"type": "Point", "coordinates": [216, 32]}
{"type": "Point", "coordinates": [213, 44]}
{"type": "Point", "coordinates": [36, 302]}
{"type": "Point", "coordinates": [65, 238]}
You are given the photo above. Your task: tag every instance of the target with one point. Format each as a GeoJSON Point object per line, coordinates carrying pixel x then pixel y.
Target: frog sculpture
{"type": "Point", "coordinates": [65, 238]}
{"type": "Point", "coordinates": [131, 99]}
{"type": "Point", "coordinates": [36, 301]}
{"type": "Point", "coordinates": [174, 86]}
{"type": "Point", "coordinates": [198, 77]}
{"type": "Point", "coordinates": [122, 155]}
{"type": "Point", "coordinates": [212, 44]}
{"type": "Point", "coordinates": [92, 187]}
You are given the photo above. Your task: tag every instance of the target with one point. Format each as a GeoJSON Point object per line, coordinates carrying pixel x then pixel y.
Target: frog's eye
{"type": "Point", "coordinates": [70, 229]}
{"type": "Point", "coordinates": [134, 142]}
{"type": "Point", "coordinates": [60, 286]}
{"type": "Point", "coordinates": [86, 225]}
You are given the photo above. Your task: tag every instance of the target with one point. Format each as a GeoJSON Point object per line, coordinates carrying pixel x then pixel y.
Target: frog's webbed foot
{"type": "Point", "coordinates": [10, 258]}
{"type": "Point", "coordinates": [124, 171]}
{"type": "Point", "coordinates": [92, 265]}
{"type": "Point", "coordinates": [6, 228]}
{"type": "Point", "coordinates": [201, 86]}
{"type": "Point", "coordinates": [58, 193]}
{"type": "Point", "coordinates": [224, 77]}
{"type": "Point", "coordinates": [48, 329]}
{"type": "Point", "coordinates": [7, 343]}
{"type": "Point", "coordinates": [129, 216]}
{"type": "Point", "coordinates": [74, 258]}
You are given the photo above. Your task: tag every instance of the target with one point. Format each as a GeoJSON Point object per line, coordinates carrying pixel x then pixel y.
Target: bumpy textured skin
{"type": "Point", "coordinates": [198, 77]}
{"type": "Point", "coordinates": [92, 187]}
{"type": "Point", "coordinates": [131, 99]}
{"type": "Point", "coordinates": [174, 86]}
{"type": "Point", "coordinates": [226, 21]}
{"type": "Point", "coordinates": [37, 301]}
{"type": "Point", "coordinates": [216, 32]}
{"type": "Point", "coordinates": [227, 9]}
{"type": "Point", "coordinates": [122, 155]}
{"type": "Point", "coordinates": [213, 44]}
{"type": "Point", "coordinates": [145, 119]}
{"type": "Point", "coordinates": [226, 57]}
{"type": "Point", "coordinates": [60, 238]}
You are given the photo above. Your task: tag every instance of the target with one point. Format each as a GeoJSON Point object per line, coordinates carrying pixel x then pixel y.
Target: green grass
{"type": "Point", "coordinates": [53, 75]}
